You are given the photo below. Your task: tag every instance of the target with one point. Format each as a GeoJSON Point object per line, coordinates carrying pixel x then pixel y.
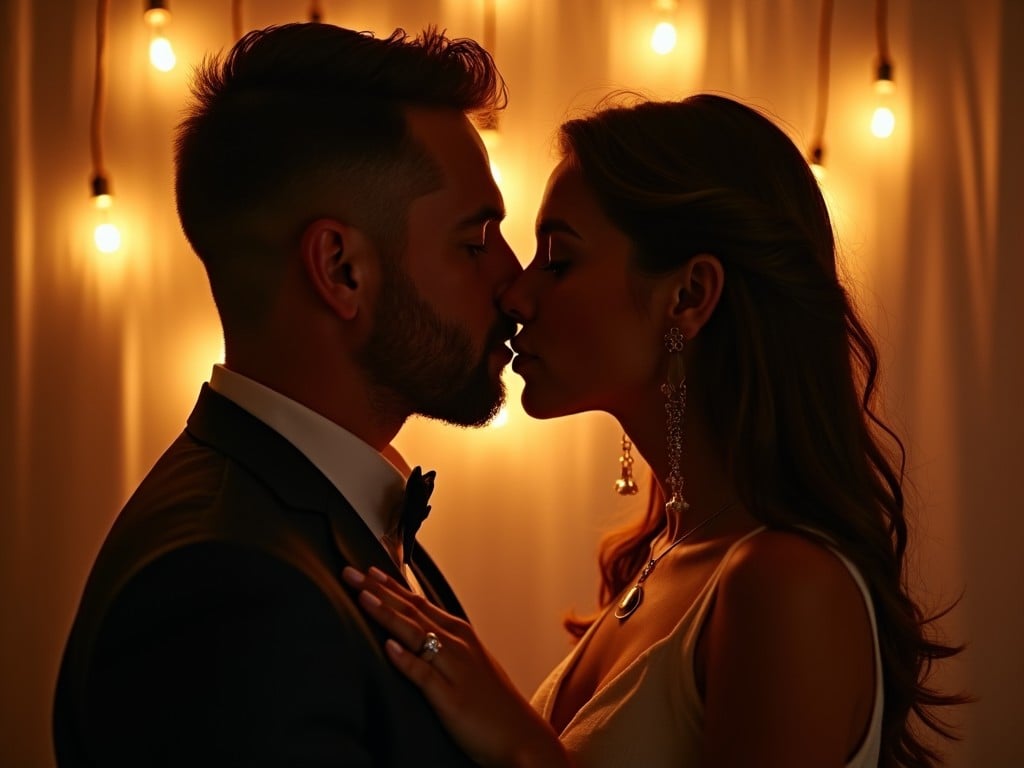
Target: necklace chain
{"type": "Point", "coordinates": [631, 601]}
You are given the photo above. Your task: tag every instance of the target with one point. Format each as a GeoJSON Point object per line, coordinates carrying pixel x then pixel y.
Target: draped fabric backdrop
{"type": "Point", "coordinates": [101, 357]}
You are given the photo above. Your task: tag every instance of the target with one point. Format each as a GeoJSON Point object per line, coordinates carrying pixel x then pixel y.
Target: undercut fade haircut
{"type": "Point", "coordinates": [303, 121]}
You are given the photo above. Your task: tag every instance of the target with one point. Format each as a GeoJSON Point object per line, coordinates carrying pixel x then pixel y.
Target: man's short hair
{"type": "Point", "coordinates": [303, 121]}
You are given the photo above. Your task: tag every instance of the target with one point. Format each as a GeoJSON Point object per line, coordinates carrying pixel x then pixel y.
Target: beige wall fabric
{"type": "Point", "coordinates": [101, 358]}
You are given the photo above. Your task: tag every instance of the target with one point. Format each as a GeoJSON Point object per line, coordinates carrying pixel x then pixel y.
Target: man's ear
{"type": "Point", "coordinates": [338, 260]}
{"type": "Point", "coordinates": [696, 290]}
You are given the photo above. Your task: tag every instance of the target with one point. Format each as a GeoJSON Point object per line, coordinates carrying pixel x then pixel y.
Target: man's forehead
{"type": "Point", "coordinates": [467, 190]}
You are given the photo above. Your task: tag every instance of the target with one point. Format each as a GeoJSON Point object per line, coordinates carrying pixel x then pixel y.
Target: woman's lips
{"type": "Point", "coordinates": [521, 361]}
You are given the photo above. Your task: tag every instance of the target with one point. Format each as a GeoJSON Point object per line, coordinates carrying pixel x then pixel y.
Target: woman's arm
{"type": "Point", "coordinates": [788, 658]}
{"type": "Point", "coordinates": [472, 695]}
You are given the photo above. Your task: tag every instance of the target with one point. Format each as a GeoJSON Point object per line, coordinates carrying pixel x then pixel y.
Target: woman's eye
{"type": "Point", "coordinates": [476, 249]}
{"type": "Point", "coordinates": [553, 265]}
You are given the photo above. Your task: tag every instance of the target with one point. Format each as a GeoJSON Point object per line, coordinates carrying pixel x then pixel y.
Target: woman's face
{"type": "Point", "coordinates": [591, 329]}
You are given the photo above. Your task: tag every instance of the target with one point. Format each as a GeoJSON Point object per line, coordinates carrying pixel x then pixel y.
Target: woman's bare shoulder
{"type": "Point", "coordinates": [793, 577]}
{"type": "Point", "coordinates": [775, 560]}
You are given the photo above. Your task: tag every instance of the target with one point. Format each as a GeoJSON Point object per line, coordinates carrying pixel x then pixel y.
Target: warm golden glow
{"type": "Point", "coordinates": [157, 17]}
{"type": "Point", "coordinates": [490, 137]}
{"type": "Point", "coordinates": [500, 419]}
{"type": "Point", "coordinates": [496, 173]}
{"type": "Point", "coordinates": [884, 87]}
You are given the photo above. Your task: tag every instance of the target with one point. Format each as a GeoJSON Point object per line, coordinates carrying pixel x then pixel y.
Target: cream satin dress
{"type": "Point", "coordinates": [650, 714]}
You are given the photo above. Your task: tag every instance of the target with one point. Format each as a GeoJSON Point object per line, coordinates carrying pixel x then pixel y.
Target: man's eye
{"type": "Point", "coordinates": [556, 267]}
{"type": "Point", "coordinates": [475, 249]}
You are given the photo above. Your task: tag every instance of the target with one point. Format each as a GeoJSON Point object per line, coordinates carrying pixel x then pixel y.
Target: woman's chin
{"type": "Point", "coordinates": [540, 407]}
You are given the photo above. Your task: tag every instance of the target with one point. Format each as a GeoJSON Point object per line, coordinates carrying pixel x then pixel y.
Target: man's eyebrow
{"type": "Point", "coordinates": [481, 216]}
{"type": "Point", "coordinates": [550, 226]}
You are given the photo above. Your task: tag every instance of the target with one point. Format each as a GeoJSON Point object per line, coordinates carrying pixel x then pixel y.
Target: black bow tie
{"type": "Point", "coordinates": [415, 508]}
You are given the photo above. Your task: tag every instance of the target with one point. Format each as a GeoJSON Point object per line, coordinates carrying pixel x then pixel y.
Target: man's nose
{"type": "Point", "coordinates": [509, 268]}
{"type": "Point", "coordinates": [515, 300]}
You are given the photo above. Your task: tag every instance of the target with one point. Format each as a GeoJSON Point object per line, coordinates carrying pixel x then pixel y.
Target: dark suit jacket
{"type": "Point", "coordinates": [214, 628]}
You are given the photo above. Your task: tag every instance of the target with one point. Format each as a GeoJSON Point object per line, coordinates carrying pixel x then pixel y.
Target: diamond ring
{"type": "Point", "coordinates": [430, 648]}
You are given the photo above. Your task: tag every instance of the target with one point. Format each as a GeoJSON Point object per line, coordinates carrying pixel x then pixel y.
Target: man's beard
{"type": "Point", "coordinates": [419, 361]}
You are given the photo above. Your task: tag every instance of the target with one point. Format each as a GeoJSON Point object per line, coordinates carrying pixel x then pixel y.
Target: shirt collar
{"type": "Point", "coordinates": [371, 484]}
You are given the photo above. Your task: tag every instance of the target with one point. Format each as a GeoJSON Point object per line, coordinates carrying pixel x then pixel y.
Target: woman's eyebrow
{"type": "Point", "coordinates": [549, 226]}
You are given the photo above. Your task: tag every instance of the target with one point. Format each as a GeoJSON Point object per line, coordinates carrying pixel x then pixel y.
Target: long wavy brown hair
{"type": "Point", "coordinates": [793, 370]}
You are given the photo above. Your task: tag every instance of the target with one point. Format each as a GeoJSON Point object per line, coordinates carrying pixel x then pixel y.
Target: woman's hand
{"type": "Point", "coordinates": [472, 695]}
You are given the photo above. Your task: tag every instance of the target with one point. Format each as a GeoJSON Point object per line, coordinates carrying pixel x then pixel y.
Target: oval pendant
{"type": "Point", "coordinates": [630, 602]}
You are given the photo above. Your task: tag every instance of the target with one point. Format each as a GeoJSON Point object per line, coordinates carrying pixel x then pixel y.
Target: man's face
{"type": "Point", "coordinates": [438, 339]}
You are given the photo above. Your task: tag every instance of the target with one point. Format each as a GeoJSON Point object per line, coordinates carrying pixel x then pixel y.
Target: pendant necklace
{"type": "Point", "coordinates": [631, 600]}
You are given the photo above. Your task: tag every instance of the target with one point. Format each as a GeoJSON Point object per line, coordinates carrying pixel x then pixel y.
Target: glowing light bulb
{"type": "Point", "coordinates": [663, 39]}
{"type": "Point", "coordinates": [107, 237]}
{"type": "Point", "coordinates": [883, 122]}
{"type": "Point", "coordinates": [161, 54]}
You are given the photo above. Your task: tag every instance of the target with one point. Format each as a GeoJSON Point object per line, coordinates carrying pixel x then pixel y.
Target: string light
{"type": "Point", "coordinates": [664, 36]}
{"type": "Point", "coordinates": [663, 40]}
{"type": "Point", "coordinates": [816, 154]}
{"type": "Point", "coordinates": [106, 236]}
{"type": "Point", "coordinates": [161, 53]}
{"type": "Point", "coordinates": [883, 121]}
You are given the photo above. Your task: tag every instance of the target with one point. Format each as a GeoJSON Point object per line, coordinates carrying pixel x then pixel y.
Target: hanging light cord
{"type": "Point", "coordinates": [824, 55]}
{"type": "Point", "coordinates": [236, 18]}
{"type": "Point", "coordinates": [882, 31]}
{"type": "Point", "coordinates": [99, 92]}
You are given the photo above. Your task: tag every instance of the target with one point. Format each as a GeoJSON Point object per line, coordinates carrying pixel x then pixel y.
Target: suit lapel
{"type": "Point", "coordinates": [434, 583]}
{"type": "Point", "coordinates": [300, 486]}
{"type": "Point", "coordinates": [222, 424]}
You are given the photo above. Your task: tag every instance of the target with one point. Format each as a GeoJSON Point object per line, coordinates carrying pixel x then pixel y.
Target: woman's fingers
{"type": "Point", "coordinates": [426, 675]}
{"type": "Point", "coordinates": [418, 626]}
{"type": "Point", "coordinates": [391, 610]}
{"type": "Point", "coordinates": [470, 693]}
{"type": "Point", "coordinates": [402, 600]}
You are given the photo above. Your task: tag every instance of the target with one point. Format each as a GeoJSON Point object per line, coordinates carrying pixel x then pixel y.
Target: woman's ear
{"type": "Point", "coordinates": [697, 288]}
{"type": "Point", "coordinates": [337, 260]}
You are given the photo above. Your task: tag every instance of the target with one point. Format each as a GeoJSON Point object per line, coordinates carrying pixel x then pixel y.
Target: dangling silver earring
{"type": "Point", "coordinates": [674, 390]}
{"type": "Point", "coordinates": [625, 485]}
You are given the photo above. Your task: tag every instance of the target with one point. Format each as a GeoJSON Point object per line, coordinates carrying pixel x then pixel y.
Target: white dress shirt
{"type": "Point", "coordinates": [373, 485]}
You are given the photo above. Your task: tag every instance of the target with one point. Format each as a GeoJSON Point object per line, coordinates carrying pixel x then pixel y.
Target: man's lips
{"type": "Point", "coordinates": [522, 358]}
